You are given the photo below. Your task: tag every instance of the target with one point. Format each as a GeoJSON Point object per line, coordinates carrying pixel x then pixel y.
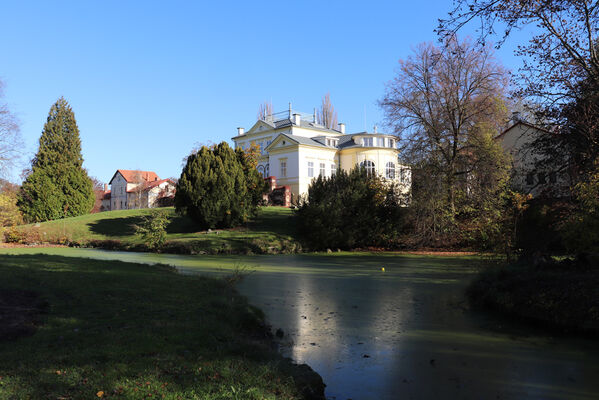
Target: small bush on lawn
{"type": "Point", "coordinates": [27, 235]}
{"type": "Point", "coordinates": [153, 229]}
{"type": "Point", "coordinates": [350, 210]}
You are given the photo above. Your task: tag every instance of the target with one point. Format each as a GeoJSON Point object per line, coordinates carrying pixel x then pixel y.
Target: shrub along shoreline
{"type": "Point", "coordinates": [562, 296]}
{"type": "Point", "coordinates": [111, 329]}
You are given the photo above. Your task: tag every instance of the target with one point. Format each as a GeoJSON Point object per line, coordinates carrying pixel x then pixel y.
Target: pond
{"type": "Point", "coordinates": [402, 332]}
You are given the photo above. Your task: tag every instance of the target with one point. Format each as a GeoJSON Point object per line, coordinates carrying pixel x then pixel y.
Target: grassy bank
{"type": "Point", "coordinates": [81, 328]}
{"type": "Point", "coordinates": [272, 231]}
{"type": "Point", "coordinates": [562, 296]}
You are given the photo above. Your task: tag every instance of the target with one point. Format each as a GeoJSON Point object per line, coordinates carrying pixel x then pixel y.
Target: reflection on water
{"type": "Point", "coordinates": [406, 333]}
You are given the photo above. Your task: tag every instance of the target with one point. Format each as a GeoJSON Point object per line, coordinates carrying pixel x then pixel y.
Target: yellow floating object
{"type": "Point", "coordinates": [383, 269]}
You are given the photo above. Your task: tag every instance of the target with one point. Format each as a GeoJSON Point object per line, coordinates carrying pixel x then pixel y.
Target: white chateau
{"type": "Point", "coordinates": [295, 150]}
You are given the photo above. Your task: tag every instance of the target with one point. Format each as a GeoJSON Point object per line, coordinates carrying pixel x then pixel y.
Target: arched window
{"type": "Point", "coordinates": [266, 171]}
{"type": "Point", "coordinates": [390, 170]}
{"type": "Point", "coordinates": [368, 166]}
{"type": "Point", "coordinates": [262, 171]}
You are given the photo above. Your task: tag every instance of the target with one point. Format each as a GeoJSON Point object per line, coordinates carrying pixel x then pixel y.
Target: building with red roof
{"type": "Point", "coordinates": [131, 189]}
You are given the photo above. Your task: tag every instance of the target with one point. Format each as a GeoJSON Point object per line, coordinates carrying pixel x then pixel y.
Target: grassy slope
{"type": "Point", "coordinates": [135, 331]}
{"type": "Point", "coordinates": [273, 226]}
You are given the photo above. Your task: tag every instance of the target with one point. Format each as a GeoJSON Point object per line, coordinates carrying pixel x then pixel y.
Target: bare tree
{"type": "Point", "coordinates": [327, 116]}
{"type": "Point", "coordinates": [444, 103]}
{"type": "Point", "coordinates": [139, 190]}
{"type": "Point", "coordinates": [98, 187]}
{"type": "Point", "coordinates": [10, 137]}
{"type": "Point", "coordinates": [562, 52]}
{"type": "Point", "coordinates": [560, 69]}
{"type": "Point", "coordinates": [264, 111]}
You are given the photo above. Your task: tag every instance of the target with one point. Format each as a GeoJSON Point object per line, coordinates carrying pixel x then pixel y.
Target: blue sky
{"type": "Point", "coordinates": [148, 80]}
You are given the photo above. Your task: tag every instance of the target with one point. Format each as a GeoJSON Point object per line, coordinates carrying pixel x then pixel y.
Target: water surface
{"type": "Point", "coordinates": [402, 333]}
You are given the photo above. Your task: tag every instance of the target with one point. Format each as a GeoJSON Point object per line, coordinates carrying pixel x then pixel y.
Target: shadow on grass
{"type": "Point", "coordinates": [135, 331]}
{"type": "Point", "coordinates": [181, 224]}
{"type": "Point", "coordinates": [279, 221]}
{"type": "Point", "coordinates": [115, 227]}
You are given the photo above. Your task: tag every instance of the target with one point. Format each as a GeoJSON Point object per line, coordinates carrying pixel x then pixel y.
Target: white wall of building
{"type": "Point", "coordinates": [118, 193]}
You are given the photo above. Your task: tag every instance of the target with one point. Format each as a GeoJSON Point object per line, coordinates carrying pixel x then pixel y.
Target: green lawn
{"type": "Point", "coordinates": [273, 230]}
{"type": "Point", "coordinates": [122, 330]}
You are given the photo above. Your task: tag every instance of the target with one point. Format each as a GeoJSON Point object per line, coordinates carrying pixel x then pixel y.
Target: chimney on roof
{"type": "Point", "coordinates": [314, 116]}
{"type": "Point", "coordinates": [105, 187]}
{"type": "Point", "coordinates": [240, 131]}
{"type": "Point", "coordinates": [297, 119]}
{"type": "Point", "coordinates": [341, 127]}
{"type": "Point", "coordinates": [516, 117]}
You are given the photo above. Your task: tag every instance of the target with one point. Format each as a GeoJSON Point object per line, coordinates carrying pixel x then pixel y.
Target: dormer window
{"type": "Point", "coordinates": [332, 142]}
{"type": "Point", "coordinates": [367, 142]}
{"type": "Point", "coordinates": [380, 142]}
{"type": "Point", "coordinates": [391, 143]}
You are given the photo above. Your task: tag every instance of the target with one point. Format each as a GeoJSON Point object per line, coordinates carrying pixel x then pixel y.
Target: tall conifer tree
{"type": "Point", "coordinates": [58, 186]}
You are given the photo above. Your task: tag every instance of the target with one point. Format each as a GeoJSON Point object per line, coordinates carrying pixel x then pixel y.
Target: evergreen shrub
{"type": "Point", "coordinates": [217, 187]}
{"type": "Point", "coordinates": [350, 210]}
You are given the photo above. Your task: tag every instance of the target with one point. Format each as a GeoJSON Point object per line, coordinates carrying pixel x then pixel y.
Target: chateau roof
{"type": "Point", "coordinates": [133, 176]}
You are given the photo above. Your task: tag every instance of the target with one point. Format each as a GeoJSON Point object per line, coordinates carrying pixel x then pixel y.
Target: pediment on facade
{"type": "Point", "coordinates": [260, 126]}
{"type": "Point", "coordinates": [282, 141]}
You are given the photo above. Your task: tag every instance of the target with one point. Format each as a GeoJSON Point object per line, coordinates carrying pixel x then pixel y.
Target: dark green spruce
{"type": "Point", "coordinates": [57, 186]}
{"type": "Point", "coordinates": [214, 190]}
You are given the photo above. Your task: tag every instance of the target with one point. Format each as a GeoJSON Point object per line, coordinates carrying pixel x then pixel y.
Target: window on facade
{"type": "Point", "coordinates": [367, 142]}
{"type": "Point", "coordinates": [266, 170]}
{"type": "Point", "coordinates": [553, 177]}
{"type": "Point", "coordinates": [322, 169]}
{"type": "Point", "coordinates": [391, 143]}
{"type": "Point", "coordinates": [121, 204]}
{"type": "Point", "coordinates": [261, 170]}
{"type": "Point", "coordinates": [380, 142]}
{"type": "Point", "coordinates": [390, 170]}
{"type": "Point", "coordinates": [403, 175]}
{"type": "Point", "coordinates": [530, 178]}
{"type": "Point", "coordinates": [333, 169]}
{"type": "Point", "coordinates": [283, 168]}
{"type": "Point", "coordinates": [310, 169]}
{"type": "Point", "coordinates": [368, 166]}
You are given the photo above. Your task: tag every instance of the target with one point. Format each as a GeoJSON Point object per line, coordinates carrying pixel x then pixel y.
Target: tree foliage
{"type": "Point", "coordinates": [57, 186]}
{"type": "Point", "coordinates": [217, 187]}
{"type": "Point", "coordinates": [560, 70]}
{"type": "Point", "coordinates": [255, 183]}
{"type": "Point", "coordinates": [446, 104]}
{"type": "Point", "coordinates": [582, 227]}
{"type": "Point", "coordinates": [153, 229]}
{"type": "Point", "coordinates": [349, 210]}
{"type": "Point", "coordinates": [10, 215]}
